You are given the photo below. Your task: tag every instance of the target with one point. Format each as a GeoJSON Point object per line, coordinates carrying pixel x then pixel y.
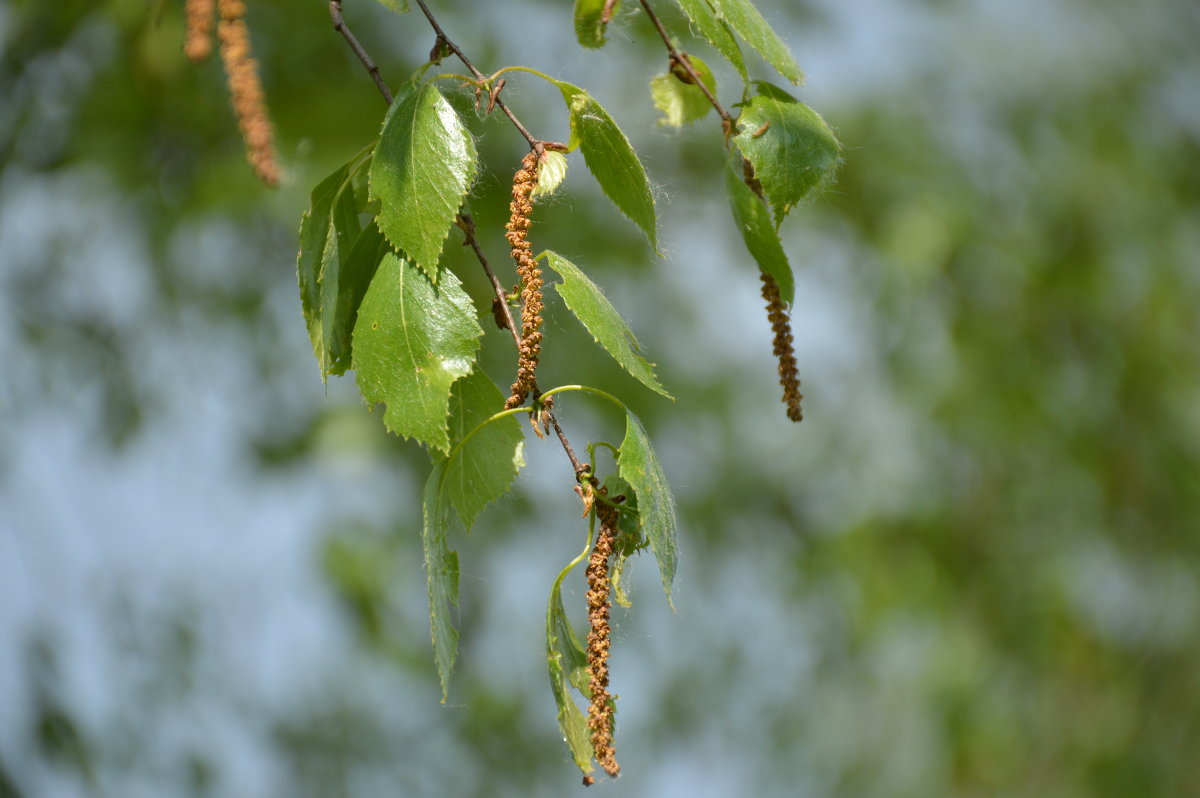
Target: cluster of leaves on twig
{"type": "Point", "coordinates": [378, 299]}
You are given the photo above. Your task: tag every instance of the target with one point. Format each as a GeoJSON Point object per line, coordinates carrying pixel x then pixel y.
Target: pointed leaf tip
{"type": "Point", "coordinates": [585, 299]}
{"type": "Point", "coordinates": [610, 158]}
{"type": "Point", "coordinates": [423, 167]}
{"type": "Point", "coordinates": [639, 466]}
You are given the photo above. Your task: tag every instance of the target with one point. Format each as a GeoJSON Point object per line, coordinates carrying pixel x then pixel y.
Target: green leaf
{"type": "Point", "coordinates": [551, 172]}
{"type": "Point", "coordinates": [638, 465]}
{"type": "Point", "coordinates": [316, 232]}
{"type": "Point", "coordinates": [590, 22]}
{"type": "Point", "coordinates": [356, 271]}
{"type": "Point", "coordinates": [753, 220]}
{"type": "Point", "coordinates": [630, 539]}
{"type": "Point", "coordinates": [566, 662]}
{"type": "Point", "coordinates": [682, 102]}
{"type": "Point", "coordinates": [336, 261]}
{"type": "Point", "coordinates": [793, 151]}
{"type": "Point", "coordinates": [585, 299]}
{"type": "Point", "coordinates": [610, 158]}
{"type": "Point", "coordinates": [482, 467]}
{"type": "Point", "coordinates": [423, 167]}
{"type": "Point", "coordinates": [743, 17]}
{"type": "Point", "coordinates": [704, 19]}
{"type": "Point", "coordinates": [412, 340]}
{"type": "Point", "coordinates": [399, 6]}
{"type": "Point", "coordinates": [441, 572]}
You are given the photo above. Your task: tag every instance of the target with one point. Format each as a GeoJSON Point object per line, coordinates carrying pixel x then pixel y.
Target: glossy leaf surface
{"type": "Point", "coordinates": [482, 467]}
{"type": "Point", "coordinates": [412, 340]}
{"type": "Point", "coordinates": [793, 151]}
{"type": "Point", "coordinates": [423, 167]}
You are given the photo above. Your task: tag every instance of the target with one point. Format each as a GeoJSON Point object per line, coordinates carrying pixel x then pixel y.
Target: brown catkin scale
{"type": "Point", "coordinates": [601, 710]}
{"type": "Point", "coordinates": [198, 43]}
{"type": "Point", "coordinates": [782, 327]}
{"type": "Point", "coordinates": [245, 90]}
{"type": "Point", "coordinates": [530, 349]}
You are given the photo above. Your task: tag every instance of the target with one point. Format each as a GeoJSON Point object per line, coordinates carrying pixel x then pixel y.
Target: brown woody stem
{"type": "Point", "coordinates": [339, 25]}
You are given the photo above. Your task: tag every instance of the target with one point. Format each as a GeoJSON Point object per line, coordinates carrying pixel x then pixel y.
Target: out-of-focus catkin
{"type": "Point", "coordinates": [601, 711]}
{"type": "Point", "coordinates": [197, 45]}
{"type": "Point", "coordinates": [245, 90]}
{"type": "Point", "coordinates": [782, 327]}
{"type": "Point", "coordinates": [520, 209]}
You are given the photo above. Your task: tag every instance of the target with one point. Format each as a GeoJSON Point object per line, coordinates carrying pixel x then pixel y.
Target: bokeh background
{"type": "Point", "coordinates": [971, 571]}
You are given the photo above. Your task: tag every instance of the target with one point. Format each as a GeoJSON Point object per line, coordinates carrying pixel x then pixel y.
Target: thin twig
{"type": "Point", "coordinates": [681, 58]}
{"type": "Point", "coordinates": [339, 25]}
{"type": "Point", "coordinates": [535, 144]}
{"type": "Point", "coordinates": [466, 223]}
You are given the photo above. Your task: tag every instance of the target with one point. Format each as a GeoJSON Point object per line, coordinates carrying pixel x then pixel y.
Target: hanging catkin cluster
{"type": "Point", "coordinates": [198, 44]}
{"type": "Point", "coordinates": [601, 710]}
{"type": "Point", "coordinates": [245, 90]}
{"type": "Point", "coordinates": [521, 207]}
{"type": "Point", "coordinates": [782, 327]}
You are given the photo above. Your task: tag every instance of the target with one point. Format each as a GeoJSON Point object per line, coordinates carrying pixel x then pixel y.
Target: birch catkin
{"type": "Point", "coordinates": [521, 207]}
{"type": "Point", "coordinates": [601, 711]}
{"type": "Point", "coordinates": [197, 45]}
{"type": "Point", "coordinates": [782, 327]}
{"type": "Point", "coordinates": [245, 91]}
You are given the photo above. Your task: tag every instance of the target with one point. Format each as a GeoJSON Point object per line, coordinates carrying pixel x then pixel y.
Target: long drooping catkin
{"type": "Point", "coordinates": [601, 710]}
{"type": "Point", "coordinates": [520, 209]}
{"type": "Point", "coordinates": [782, 327]}
{"type": "Point", "coordinates": [198, 43]}
{"type": "Point", "coordinates": [245, 90]}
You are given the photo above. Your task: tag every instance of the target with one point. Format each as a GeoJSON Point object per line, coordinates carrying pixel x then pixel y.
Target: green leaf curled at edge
{"type": "Point", "coordinates": [315, 234]}
{"type": "Point", "coordinates": [638, 465]}
{"type": "Point", "coordinates": [590, 22]}
{"type": "Point", "coordinates": [337, 258]}
{"type": "Point", "coordinates": [748, 23]}
{"type": "Point", "coordinates": [412, 340]}
{"type": "Point", "coordinates": [399, 6]}
{"type": "Point", "coordinates": [753, 220]}
{"type": "Point", "coordinates": [441, 572]}
{"type": "Point", "coordinates": [681, 102]}
{"type": "Point", "coordinates": [423, 167]}
{"type": "Point", "coordinates": [480, 470]}
{"type": "Point", "coordinates": [792, 150]}
{"type": "Point", "coordinates": [566, 662]}
{"type": "Point", "coordinates": [552, 171]}
{"type": "Point", "coordinates": [356, 271]}
{"type": "Point", "coordinates": [704, 19]}
{"type": "Point", "coordinates": [585, 299]}
{"type": "Point", "coordinates": [610, 158]}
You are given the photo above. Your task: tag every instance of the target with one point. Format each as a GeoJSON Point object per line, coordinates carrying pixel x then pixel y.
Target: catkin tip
{"type": "Point", "coordinates": [245, 91]}
{"type": "Point", "coordinates": [197, 44]}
